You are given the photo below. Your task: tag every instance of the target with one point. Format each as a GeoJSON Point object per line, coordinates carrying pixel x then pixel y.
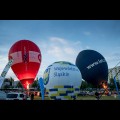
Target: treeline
{"type": "Point", "coordinates": [10, 83]}
{"type": "Point", "coordinates": [111, 85]}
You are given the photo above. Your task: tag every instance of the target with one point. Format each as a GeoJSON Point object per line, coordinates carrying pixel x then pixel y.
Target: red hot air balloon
{"type": "Point", "coordinates": [26, 57]}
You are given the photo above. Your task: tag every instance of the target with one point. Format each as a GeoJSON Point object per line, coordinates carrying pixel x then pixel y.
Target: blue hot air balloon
{"type": "Point", "coordinates": [93, 67]}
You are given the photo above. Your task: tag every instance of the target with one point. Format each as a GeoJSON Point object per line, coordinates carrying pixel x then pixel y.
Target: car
{"type": "Point", "coordinates": [16, 96]}
{"type": "Point", "coordinates": [91, 93]}
{"type": "Point", "coordinates": [2, 95]}
{"type": "Point", "coordinates": [82, 94]}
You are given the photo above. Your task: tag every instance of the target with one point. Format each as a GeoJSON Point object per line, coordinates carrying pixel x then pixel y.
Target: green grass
{"type": "Point", "coordinates": [39, 98]}
{"type": "Point", "coordinates": [85, 98]}
{"type": "Point", "coordinates": [93, 98]}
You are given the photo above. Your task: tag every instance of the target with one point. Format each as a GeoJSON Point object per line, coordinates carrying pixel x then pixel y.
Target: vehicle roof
{"type": "Point", "coordinates": [15, 93]}
{"type": "Point", "coordinates": [2, 91]}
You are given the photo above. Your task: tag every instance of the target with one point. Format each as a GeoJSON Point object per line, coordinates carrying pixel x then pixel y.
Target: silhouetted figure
{"type": "Point", "coordinates": [97, 95]}
{"type": "Point", "coordinates": [32, 96]}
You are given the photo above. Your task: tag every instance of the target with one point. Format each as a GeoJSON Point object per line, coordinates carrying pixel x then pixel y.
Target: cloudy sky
{"type": "Point", "coordinates": [61, 40]}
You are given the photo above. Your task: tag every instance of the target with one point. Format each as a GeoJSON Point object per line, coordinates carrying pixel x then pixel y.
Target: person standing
{"type": "Point", "coordinates": [97, 95]}
{"type": "Point", "coordinates": [32, 96]}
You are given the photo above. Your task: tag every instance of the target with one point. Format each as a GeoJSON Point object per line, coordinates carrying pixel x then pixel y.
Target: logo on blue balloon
{"type": "Point", "coordinates": [46, 76]}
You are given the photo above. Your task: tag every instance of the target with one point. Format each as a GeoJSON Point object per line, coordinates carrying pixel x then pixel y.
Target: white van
{"type": "Point", "coordinates": [16, 96]}
{"type": "Point", "coordinates": [3, 95]}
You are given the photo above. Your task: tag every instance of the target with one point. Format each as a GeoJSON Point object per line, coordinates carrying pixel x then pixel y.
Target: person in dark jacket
{"type": "Point", "coordinates": [97, 95]}
{"type": "Point", "coordinates": [32, 96]}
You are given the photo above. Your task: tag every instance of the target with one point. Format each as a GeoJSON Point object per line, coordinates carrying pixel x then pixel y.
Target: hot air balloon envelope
{"type": "Point", "coordinates": [62, 81]}
{"type": "Point", "coordinates": [93, 67]}
{"type": "Point", "coordinates": [26, 57]}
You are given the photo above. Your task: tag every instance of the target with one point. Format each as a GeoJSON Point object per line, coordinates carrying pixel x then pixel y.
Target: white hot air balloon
{"type": "Point", "coordinates": [62, 81]}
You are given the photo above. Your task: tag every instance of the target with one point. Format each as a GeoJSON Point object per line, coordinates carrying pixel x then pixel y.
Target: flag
{"type": "Point", "coordinates": [41, 87]}
{"type": "Point", "coordinates": [4, 72]}
{"type": "Point", "coordinates": [116, 85]}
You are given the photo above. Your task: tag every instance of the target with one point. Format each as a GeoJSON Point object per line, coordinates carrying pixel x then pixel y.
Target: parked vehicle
{"type": "Point", "coordinates": [91, 93]}
{"type": "Point", "coordinates": [2, 95]}
{"type": "Point", "coordinates": [16, 96]}
{"type": "Point", "coordinates": [82, 94]}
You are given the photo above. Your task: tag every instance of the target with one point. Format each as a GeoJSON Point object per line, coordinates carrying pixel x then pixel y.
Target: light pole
{"type": "Point", "coordinates": [117, 89]}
